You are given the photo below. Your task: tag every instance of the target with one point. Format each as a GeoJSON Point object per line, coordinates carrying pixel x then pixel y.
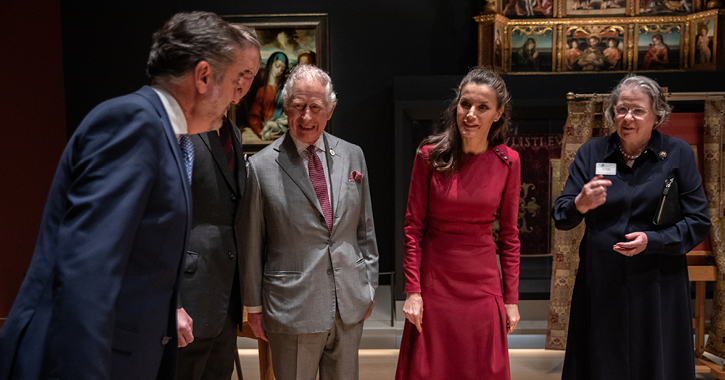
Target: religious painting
{"type": "Point", "coordinates": [528, 8]}
{"type": "Point", "coordinates": [594, 48]}
{"type": "Point", "coordinates": [594, 8]}
{"type": "Point", "coordinates": [531, 48]}
{"type": "Point", "coordinates": [658, 46]}
{"type": "Point", "coordinates": [663, 7]}
{"type": "Point", "coordinates": [498, 42]}
{"type": "Point", "coordinates": [702, 37]}
{"type": "Point", "coordinates": [286, 41]}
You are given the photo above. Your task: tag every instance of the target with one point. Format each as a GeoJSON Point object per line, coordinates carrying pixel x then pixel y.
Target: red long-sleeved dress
{"type": "Point", "coordinates": [450, 258]}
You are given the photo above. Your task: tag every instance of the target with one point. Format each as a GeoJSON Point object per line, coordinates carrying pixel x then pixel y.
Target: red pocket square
{"type": "Point", "coordinates": [355, 176]}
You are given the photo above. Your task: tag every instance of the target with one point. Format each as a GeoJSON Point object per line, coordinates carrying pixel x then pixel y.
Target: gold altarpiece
{"type": "Point", "coordinates": [602, 44]}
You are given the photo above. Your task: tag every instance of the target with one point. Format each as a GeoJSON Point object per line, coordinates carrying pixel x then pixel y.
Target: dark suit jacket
{"type": "Point", "coordinates": [99, 298]}
{"type": "Point", "coordinates": [212, 256]}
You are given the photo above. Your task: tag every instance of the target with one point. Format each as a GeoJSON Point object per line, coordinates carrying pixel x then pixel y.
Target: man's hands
{"type": "Point", "coordinates": [184, 327]}
{"type": "Point", "coordinates": [255, 322]}
{"type": "Point", "coordinates": [370, 310]}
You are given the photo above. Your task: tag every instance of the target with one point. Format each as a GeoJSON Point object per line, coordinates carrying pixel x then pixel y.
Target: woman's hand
{"type": "Point", "coordinates": [512, 317]}
{"type": "Point", "coordinates": [593, 194]}
{"type": "Point", "coordinates": [413, 310]}
{"type": "Point", "coordinates": [636, 244]}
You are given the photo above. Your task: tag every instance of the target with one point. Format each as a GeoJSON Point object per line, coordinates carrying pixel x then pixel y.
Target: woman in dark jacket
{"type": "Point", "coordinates": [630, 311]}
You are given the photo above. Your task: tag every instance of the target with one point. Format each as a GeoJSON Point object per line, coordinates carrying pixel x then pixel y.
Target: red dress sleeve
{"type": "Point", "coordinates": [508, 238]}
{"type": "Point", "coordinates": [415, 220]}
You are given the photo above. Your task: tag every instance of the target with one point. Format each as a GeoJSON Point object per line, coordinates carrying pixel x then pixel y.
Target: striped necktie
{"type": "Point", "coordinates": [317, 177]}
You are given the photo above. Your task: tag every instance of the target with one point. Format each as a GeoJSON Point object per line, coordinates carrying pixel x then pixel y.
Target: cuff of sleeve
{"type": "Point", "coordinates": [413, 289]}
{"type": "Point", "coordinates": [512, 299]}
{"type": "Point", "coordinates": [573, 214]}
{"type": "Point", "coordinates": [655, 242]}
{"type": "Point", "coordinates": [254, 309]}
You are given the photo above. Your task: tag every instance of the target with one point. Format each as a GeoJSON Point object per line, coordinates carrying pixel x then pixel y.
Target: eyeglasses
{"type": "Point", "coordinates": [622, 111]}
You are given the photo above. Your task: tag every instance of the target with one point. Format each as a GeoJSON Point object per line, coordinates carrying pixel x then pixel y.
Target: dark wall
{"type": "Point", "coordinates": [32, 116]}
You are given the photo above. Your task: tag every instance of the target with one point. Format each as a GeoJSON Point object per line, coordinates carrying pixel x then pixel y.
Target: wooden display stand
{"type": "Point", "coordinates": [265, 355]}
{"type": "Point", "coordinates": [700, 272]}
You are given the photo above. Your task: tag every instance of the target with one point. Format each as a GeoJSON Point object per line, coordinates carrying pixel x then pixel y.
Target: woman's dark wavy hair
{"type": "Point", "coordinates": [447, 151]}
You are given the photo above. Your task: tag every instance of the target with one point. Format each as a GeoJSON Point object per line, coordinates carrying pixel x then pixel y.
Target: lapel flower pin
{"type": "Point", "coordinates": [355, 176]}
{"type": "Point", "coordinates": [663, 155]}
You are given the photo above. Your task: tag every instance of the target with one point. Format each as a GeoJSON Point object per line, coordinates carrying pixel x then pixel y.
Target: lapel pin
{"type": "Point", "coordinates": [332, 152]}
{"type": "Point", "coordinates": [663, 155]}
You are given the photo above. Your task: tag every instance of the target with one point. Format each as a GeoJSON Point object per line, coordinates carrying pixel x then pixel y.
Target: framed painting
{"type": "Point", "coordinates": [531, 48]}
{"type": "Point", "coordinates": [594, 48]}
{"type": "Point", "coordinates": [702, 43]}
{"type": "Point", "coordinates": [593, 8]}
{"type": "Point", "coordinates": [527, 8]}
{"type": "Point", "coordinates": [662, 7]}
{"type": "Point", "coordinates": [498, 43]}
{"type": "Point", "coordinates": [286, 41]}
{"type": "Point", "coordinates": [658, 46]}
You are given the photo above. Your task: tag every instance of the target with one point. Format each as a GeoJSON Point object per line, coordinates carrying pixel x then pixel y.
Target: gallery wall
{"type": "Point", "coordinates": [371, 43]}
{"type": "Point", "coordinates": [32, 120]}
{"type": "Point", "coordinates": [104, 47]}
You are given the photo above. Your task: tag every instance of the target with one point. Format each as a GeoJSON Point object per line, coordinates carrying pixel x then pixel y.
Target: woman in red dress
{"type": "Point", "coordinates": [461, 177]}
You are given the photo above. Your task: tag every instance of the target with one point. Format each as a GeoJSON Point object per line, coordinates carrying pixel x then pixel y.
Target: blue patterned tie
{"type": "Point", "coordinates": [187, 149]}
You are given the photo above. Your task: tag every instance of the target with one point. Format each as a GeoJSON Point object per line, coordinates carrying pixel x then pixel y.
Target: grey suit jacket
{"type": "Point", "coordinates": [212, 255]}
{"type": "Point", "coordinates": [293, 266]}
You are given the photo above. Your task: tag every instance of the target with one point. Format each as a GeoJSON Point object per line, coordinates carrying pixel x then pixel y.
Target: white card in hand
{"type": "Point", "coordinates": [606, 168]}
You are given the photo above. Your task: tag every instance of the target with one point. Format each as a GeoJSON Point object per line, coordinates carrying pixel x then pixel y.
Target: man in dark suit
{"type": "Point", "coordinates": [210, 295]}
{"type": "Point", "coordinates": [310, 254]}
{"type": "Point", "coordinates": [99, 299]}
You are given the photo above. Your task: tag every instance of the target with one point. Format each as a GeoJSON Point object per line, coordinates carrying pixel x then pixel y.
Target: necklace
{"type": "Point", "coordinates": [628, 157]}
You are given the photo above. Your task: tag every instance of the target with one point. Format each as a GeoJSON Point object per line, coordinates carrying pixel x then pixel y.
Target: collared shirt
{"type": "Point", "coordinates": [176, 115]}
{"type": "Point", "coordinates": [305, 154]}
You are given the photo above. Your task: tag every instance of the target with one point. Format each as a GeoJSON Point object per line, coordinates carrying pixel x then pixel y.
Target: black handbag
{"type": "Point", "coordinates": [669, 211]}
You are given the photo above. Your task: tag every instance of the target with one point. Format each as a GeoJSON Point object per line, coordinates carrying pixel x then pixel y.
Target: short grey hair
{"type": "Point", "coordinates": [304, 73]}
{"type": "Point", "coordinates": [189, 38]}
{"type": "Point", "coordinates": [658, 102]}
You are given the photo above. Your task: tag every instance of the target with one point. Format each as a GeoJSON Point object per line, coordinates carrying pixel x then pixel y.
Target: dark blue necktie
{"type": "Point", "coordinates": [187, 149]}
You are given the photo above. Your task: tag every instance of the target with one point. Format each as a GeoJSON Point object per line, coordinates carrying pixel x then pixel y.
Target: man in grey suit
{"type": "Point", "coordinates": [210, 299]}
{"type": "Point", "coordinates": [310, 255]}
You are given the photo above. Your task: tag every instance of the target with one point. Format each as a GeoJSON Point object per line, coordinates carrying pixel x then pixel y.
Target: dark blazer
{"type": "Point", "coordinates": [212, 256]}
{"type": "Point", "coordinates": [99, 298]}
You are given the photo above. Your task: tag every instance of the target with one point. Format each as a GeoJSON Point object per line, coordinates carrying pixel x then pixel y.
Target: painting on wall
{"type": "Point", "coordinates": [498, 42]}
{"type": "Point", "coordinates": [594, 48]}
{"type": "Point", "coordinates": [594, 8]}
{"type": "Point", "coordinates": [663, 7]}
{"type": "Point", "coordinates": [286, 41]}
{"type": "Point", "coordinates": [528, 8]}
{"type": "Point", "coordinates": [702, 40]}
{"type": "Point", "coordinates": [658, 47]}
{"type": "Point", "coordinates": [531, 49]}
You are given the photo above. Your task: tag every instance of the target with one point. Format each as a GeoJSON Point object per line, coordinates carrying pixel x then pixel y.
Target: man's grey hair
{"type": "Point", "coordinates": [309, 73]}
{"type": "Point", "coordinates": [658, 101]}
{"type": "Point", "coordinates": [189, 38]}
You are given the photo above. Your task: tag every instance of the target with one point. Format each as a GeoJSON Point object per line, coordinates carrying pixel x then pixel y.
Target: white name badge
{"type": "Point", "coordinates": [605, 168]}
